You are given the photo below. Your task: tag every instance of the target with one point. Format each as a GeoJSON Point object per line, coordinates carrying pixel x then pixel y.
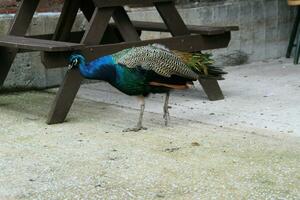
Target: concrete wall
{"type": "Point", "coordinates": [27, 70]}
{"type": "Point", "coordinates": [264, 26]}
{"type": "Point", "coordinates": [264, 31]}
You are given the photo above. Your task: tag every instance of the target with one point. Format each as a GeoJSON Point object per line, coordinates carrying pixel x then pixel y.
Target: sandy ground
{"type": "Point", "coordinates": [199, 156]}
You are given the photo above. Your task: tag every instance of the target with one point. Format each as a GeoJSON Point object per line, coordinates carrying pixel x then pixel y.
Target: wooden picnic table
{"type": "Point", "coordinates": [102, 37]}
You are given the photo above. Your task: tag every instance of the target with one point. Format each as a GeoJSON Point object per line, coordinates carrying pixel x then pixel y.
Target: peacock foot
{"type": "Point", "coordinates": [135, 129]}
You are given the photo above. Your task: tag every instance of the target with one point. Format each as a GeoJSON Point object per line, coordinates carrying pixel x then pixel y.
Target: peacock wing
{"type": "Point", "coordinates": [154, 57]}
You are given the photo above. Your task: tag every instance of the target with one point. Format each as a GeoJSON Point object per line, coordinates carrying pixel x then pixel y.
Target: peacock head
{"type": "Point", "coordinates": [75, 60]}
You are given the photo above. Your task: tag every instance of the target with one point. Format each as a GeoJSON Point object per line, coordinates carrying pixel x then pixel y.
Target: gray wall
{"type": "Point", "coordinates": [264, 31]}
{"type": "Point", "coordinates": [264, 26]}
{"type": "Point", "coordinates": [27, 70]}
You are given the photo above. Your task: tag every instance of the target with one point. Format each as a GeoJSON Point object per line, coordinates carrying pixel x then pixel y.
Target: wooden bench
{"type": "Point", "coordinates": [203, 30]}
{"type": "Point", "coordinates": [33, 44]}
{"type": "Point", "coordinates": [44, 42]}
{"type": "Point", "coordinates": [101, 38]}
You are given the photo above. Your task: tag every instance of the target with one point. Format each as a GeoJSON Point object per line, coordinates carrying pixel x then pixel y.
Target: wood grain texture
{"type": "Point", "coordinates": [110, 3]}
{"type": "Point", "coordinates": [37, 44]}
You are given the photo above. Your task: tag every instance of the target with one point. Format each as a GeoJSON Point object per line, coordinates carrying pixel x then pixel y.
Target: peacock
{"type": "Point", "coordinates": [140, 71]}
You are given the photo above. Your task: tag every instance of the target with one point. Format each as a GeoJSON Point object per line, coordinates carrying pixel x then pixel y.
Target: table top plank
{"type": "Point", "coordinates": [124, 25]}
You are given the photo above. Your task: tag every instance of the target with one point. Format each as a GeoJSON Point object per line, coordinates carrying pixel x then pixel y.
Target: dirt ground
{"type": "Point", "coordinates": [89, 157]}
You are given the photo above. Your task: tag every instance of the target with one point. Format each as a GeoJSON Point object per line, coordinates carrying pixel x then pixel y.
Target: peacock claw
{"type": "Point", "coordinates": [135, 129]}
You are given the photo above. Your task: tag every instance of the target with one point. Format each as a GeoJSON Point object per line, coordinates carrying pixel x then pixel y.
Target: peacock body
{"type": "Point", "coordinates": [140, 71]}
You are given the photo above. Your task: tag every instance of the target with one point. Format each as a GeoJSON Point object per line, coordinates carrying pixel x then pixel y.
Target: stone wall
{"type": "Point", "coordinates": [264, 32]}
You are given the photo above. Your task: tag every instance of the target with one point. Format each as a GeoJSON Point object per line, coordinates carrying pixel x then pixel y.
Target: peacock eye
{"type": "Point", "coordinates": [75, 62]}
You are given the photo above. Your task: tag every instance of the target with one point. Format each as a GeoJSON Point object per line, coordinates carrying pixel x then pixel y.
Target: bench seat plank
{"type": "Point", "coordinates": [110, 3]}
{"type": "Point", "coordinates": [203, 30]}
{"type": "Point", "coordinates": [154, 26]}
{"type": "Point", "coordinates": [38, 44]}
{"type": "Point", "coordinates": [35, 44]}
{"type": "Point", "coordinates": [188, 43]}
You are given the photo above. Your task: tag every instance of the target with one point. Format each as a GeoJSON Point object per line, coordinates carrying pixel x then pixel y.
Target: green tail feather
{"type": "Point", "coordinates": [203, 64]}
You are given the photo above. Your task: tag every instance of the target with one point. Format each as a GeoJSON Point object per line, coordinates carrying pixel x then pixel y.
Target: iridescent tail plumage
{"type": "Point", "coordinates": [202, 64]}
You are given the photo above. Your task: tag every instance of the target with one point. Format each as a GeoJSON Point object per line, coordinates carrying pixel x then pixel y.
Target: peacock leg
{"type": "Point", "coordinates": [139, 125]}
{"type": "Point", "coordinates": [166, 109]}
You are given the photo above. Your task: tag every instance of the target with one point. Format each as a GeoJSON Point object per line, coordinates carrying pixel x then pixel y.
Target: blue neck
{"type": "Point", "coordinates": [101, 69]}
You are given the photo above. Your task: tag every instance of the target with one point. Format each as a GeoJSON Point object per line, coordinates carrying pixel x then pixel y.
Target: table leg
{"type": "Point", "coordinates": [172, 19]}
{"type": "Point", "coordinates": [174, 22]}
{"type": "Point", "coordinates": [71, 84]}
{"type": "Point", "coordinates": [63, 28]}
{"type": "Point", "coordinates": [19, 28]}
{"type": "Point", "coordinates": [293, 34]}
{"type": "Point", "coordinates": [62, 101]}
{"type": "Point", "coordinates": [7, 56]}
{"type": "Point", "coordinates": [125, 26]}
{"type": "Point", "coordinates": [212, 89]}
{"type": "Point", "coordinates": [112, 35]}
{"type": "Point", "coordinates": [66, 20]}
{"type": "Point", "coordinates": [65, 96]}
{"type": "Point", "coordinates": [297, 52]}
{"type": "Point", "coordinates": [87, 7]}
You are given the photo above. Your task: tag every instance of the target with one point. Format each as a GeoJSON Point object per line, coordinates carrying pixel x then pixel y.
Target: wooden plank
{"type": "Point", "coordinates": [7, 56]}
{"type": "Point", "coordinates": [111, 35]}
{"type": "Point", "coordinates": [64, 27]}
{"type": "Point", "coordinates": [192, 43]}
{"type": "Point", "coordinates": [293, 33]}
{"type": "Point", "coordinates": [65, 97]}
{"type": "Point", "coordinates": [189, 43]}
{"type": "Point", "coordinates": [19, 27]}
{"type": "Point", "coordinates": [212, 89]}
{"type": "Point", "coordinates": [124, 25]}
{"type": "Point", "coordinates": [74, 37]}
{"type": "Point", "coordinates": [172, 19]}
{"type": "Point", "coordinates": [97, 26]}
{"type": "Point", "coordinates": [87, 7]}
{"type": "Point", "coordinates": [23, 17]}
{"type": "Point", "coordinates": [110, 3]}
{"type": "Point", "coordinates": [38, 44]}
{"type": "Point", "coordinates": [203, 30]}
{"type": "Point", "coordinates": [107, 38]}
{"type": "Point", "coordinates": [66, 20]}
{"type": "Point", "coordinates": [68, 90]}
{"type": "Point", "coordinates": [148, 26]}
